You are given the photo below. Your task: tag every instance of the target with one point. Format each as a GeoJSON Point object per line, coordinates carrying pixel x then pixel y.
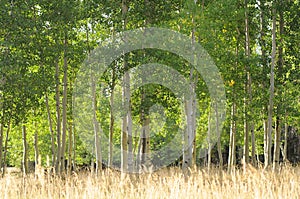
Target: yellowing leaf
{"type": "Point", "coordinates": [231, 82]}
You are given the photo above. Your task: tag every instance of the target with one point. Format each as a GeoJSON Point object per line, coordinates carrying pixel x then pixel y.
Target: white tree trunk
{"type": "Point", "coordinates": [209, 142]}
{"type": "Point", "coordinates": [285, 140]}
{"type": "Point", "coordinates": [25, 151]}
{"type": "Point", "coordinates": [51, 130]}
{"type": "Point", "coordinates": [219, 147]}
{"type": "Point", "coordinates": [111, 125]}
{"type": "Point", "coordinates": [58, 120]}
{"type": "Point", "coordinates": [64, 106]}
{"type": "Point", "coordinates": [271, 103]}
{"type": "Point", "coordinates": [126, 101]}
{"type": "Point", "coordinates": [36, 147]}
{"type": "Point", "coordinates": [96, 127]}
{"type": "Point", "coordinates": [231, 156]}
{"type": "Point", "coordinates": [277, 145]}
{"type": "Point", "coordinates": [247, 90]}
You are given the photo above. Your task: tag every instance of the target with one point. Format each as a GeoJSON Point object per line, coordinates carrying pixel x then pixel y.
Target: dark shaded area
{"type": "Point", "coordinates": [293, 151]}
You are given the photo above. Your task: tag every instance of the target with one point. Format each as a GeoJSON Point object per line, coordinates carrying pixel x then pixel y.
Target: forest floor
{"type": "Point", "coordinates": [165, 183]}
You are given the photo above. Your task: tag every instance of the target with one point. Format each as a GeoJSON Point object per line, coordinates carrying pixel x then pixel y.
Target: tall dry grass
{"type": "Point", "coordinates": [166, 183]}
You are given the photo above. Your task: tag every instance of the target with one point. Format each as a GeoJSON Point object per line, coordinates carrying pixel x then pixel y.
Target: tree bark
{"type": "Point", "coordinates": [247, 90]}
{"type": "Point", "coordinates": [111, 125]}
{"type": "Point", "coordinates": [209, 141]}
{"type": "Point", "coordinates": [126, 100]}
{"type": "Point", "coordinates": [145, 141]}
{"type": "Point", "coordinates": [143, 133]}
{"type": "Point", "coordinates": [129, 125]}
{"type": "Point", "coordinates": [5, 149]}
{"type": "Point", "coordinates": [58, 120]}
{"type": "Point", "coordinates": [280, 67]}
{"type": "Point", "coordinates": [219, 147]}
{"type": "Point", "coordinates": [96, 128]}
{"type": "Point", "coordinates": [264, 72]}
{"type": "Point", "coordinates": [188, 137]}
{"type": "Point", "coordinates": [231, 157]}
{"type": "Point", "coordinates": [51, 130]}
{"type": "Point", "coordinates": [64, 105]}
{"type": "Point", "coordinates": [189, 156]}
{"type": "Point", "coordinates": [277, 144]}
{"type": "Point", "coordinates": [285, 139]}
{"type": "Point", "coordinates": [265, 124]}
{"type": "Point", "coordinates": [186, 158]}
{"type": "Point", "coordinates": [70, 147]}
{"type": "Point", "coordinates": [36, 148]}
{"type": "Point", "coordinates": [193, 83]}
{"type": "Point", "coordinates": [74, 147]}
{"type": "Point", "coordinates": [232, 141]}
{"type": "Point", "coordinates": [25, 151]}
{"type": "Point", "coordinates": [271, 98]}
{"type": "Point", "coordinates": [124, 138]}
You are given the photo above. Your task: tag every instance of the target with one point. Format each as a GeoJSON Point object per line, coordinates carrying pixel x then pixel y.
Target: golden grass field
{"type": "Point", "coordinates": [165, 183]}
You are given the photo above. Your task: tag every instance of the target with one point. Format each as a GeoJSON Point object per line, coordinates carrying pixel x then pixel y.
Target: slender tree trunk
{"type": "Point", "coordinates": [70, 133]}
{"type": "Point", "coordinates": [70, 147]}
{"type": "Point", "coordinates": [144, 149]}
{"type": "Point", "coordinates": [247, 90]}
{"type": "Point", "coordinates": [143, 131]}
{"type": "Point", "coordinates": [277, 144]}
{"type": "Point", "coordinates": [193, 83]}
{"type": "Point", "coordinates": [219, 147]}
{"type": "Point", "coordinates": [194, 145]}
{"type": "Point", "coordinates": [285, 139]}
{"type": "Point", "coordinates": [232, 144]}
{"type": "Point", "coordinates": [36, 147]}
{"type": "Point", "coordinates": [5, 149]}
{"type": "Point", "coordinates": [1, 144]}
{"type": "Point", "coordinates": [96, 128]}
{"type": "Point", "coordinates": [188, 137]}
{"type": "Point", "coordinates": [246, 139]}
{"type": "Point", "coordinates": [249, 79]}
{"type": "Point", "coordinates": [231, 157]}
{"type": "Point", "coordinates": [111, 125]}
{"type": "Point", "coordinates": [126, 100]}
{"type": "Point", "coordinates": [209, 142]}
{"type": "Point", "coordinates": [253, 146]}
{"type": "Point", "coordinates": [73, 137]}
{"type": "Point", "coordinates": [190, 108]}
{"type": "Point", "coordinates": [264, 72]}
{"type": "Point", "coordinates": [124, 138]}
{"type": "Point", "coordinates": [265, 124]}
{"type": "Point", "coordinates": [186, 159]}
{"type": "Point", "coordinates": [138, 156]}
{"type": "Point", "coordinates": [145, 146]}
{"type": "Point", "coordinates": [25, 151]}
{"type": "Point", "coordinates": [147, 143]}
{"type": "Point", "coordinates": [64, 106]}
{"type": "Point", "coordinates": [58, 119]}
{"type": "Point", "coordinates": [129, 125]}
{"type": "Point", "coordinates": [74, 147]}
{"type": "Point", "coordinates": [271, 103]}
{"type": "Point", "coordinates": [51, 130]}
{"type": "Point", "coordinates": [280, 67]}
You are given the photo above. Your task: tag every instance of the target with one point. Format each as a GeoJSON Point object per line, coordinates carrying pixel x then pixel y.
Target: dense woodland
{"type": "Point", "coordinates": [254, 44]}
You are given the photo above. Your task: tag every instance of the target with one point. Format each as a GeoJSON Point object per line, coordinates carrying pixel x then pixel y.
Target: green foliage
{"type": "Point", "coordinates": [32, 42]}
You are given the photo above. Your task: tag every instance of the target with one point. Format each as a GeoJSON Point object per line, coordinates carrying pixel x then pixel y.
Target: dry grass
{"type": "Point", "coordinates": [166, 183]}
